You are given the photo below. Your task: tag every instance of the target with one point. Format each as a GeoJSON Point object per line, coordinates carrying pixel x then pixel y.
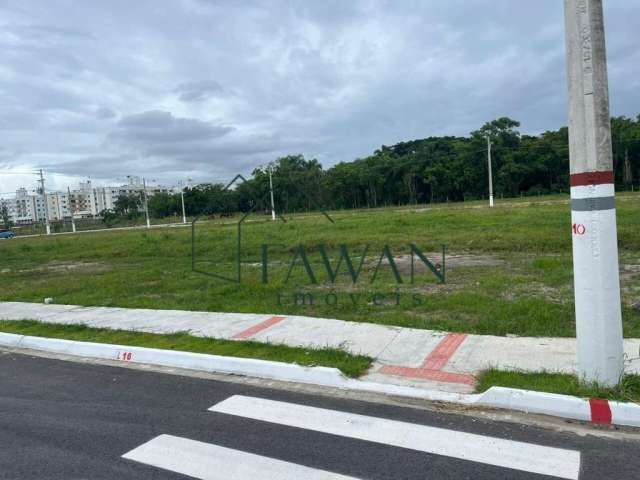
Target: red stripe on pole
{"type": "Point", "coordinates": [591, 178]}
{"type": "Point", "coordinates": [250, 332]}
{"type": "Point", "coordinates": [600, 411]}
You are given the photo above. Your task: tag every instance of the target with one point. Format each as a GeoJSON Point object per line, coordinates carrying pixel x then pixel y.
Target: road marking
{"type": "Point", "coordinates": [556, 462]}
{"type": "Point", "coordinates": [251, 331]}
{"type": "Point", "coordinates": [212, 462]}
{"type": "Point", "coordinates": [431, 368]}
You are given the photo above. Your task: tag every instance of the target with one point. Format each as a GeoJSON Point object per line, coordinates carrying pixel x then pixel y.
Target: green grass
{"type": "Point", "coordinates": [627, 391]}
{"type": "Point", "coordinates": [350, 365]}
{"type": "Point", "coordinates": [517, 277]}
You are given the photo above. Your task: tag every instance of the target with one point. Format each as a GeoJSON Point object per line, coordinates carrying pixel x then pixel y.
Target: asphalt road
{"type": "Point", "coordinates": [68, 420]}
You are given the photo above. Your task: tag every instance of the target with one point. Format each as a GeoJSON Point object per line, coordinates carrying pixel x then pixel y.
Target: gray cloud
{"type": "Point", "coordinates": [157, 127]}
{"type": "Point", "coordinates": [198, 91]}
{"type": "Point", "coordinates": [105, 113]}
{"type": "Point", "coordinates": [115, 88]}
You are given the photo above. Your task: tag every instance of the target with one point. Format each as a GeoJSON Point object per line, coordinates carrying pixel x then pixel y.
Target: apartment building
{"type": "Point", "coordinates": [86, 201]}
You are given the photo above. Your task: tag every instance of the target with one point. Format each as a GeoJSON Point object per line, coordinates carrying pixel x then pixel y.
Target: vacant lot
{"type": "Point", "coordinates": [508, 268]}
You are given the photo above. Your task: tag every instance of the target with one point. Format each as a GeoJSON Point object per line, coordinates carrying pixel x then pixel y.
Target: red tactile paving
{"type": "Point", "coordinates": [251, 331]}
{"type": "Point", "coordinates": [431, 368]}
{"type": "Point", "coordinates": [421, 373]}
{"type": "Point", "coordinates": [440, 355]}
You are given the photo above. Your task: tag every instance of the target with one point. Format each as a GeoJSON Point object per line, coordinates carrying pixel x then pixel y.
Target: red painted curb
{"type": "Point", "coordinates": [590, 178]}
{"type": "Point", "coordinates": [250, 332]}
{"type": "Point", "coordinates": [600, 411]}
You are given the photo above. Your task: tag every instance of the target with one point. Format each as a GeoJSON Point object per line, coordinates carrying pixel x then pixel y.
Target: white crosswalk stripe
{"type": "Point", "coordinates": [522, 456]}
{"type": "Point", "coordinates": [211, 462]}
{"type": "Point", "coordinates": [206, 461]}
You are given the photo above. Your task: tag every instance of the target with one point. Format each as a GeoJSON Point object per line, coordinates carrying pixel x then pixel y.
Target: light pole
{"type": "Point", "coordinates": [72, 210]}
{"type": "Point", "coordinates": [593, 214]}
{"type": "Point", "coordinates": [273, 206]}
{"type": "Point", "coordinates": [146, 202]}
{"type": "Point", "coordinates": [184, 211]}
{"type": "Point", "coordinates": [46, 204]}
{"type": "Point", "coordinates": [489, 169]}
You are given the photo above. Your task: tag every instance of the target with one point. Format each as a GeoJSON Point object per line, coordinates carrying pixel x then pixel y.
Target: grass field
{"type": "Point", "coordinates": [350, 365]}
{"type": "Point", "coordinates": [509, 269]}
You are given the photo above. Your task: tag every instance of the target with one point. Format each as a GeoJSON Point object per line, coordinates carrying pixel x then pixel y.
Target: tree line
{"type": "Point", "coordinates": [434, 169]}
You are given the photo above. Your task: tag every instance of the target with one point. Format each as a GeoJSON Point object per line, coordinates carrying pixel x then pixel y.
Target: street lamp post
{"type": "Point", "coordinates": [71, 210]}
{"type": "Point", "coordinates": [184, 211]}
{"type": "Point", "coordinates": [45, 201]}
{"type": "Point", "coordinates": [489, 169]}
{"type": "Point", "coordinates": [146, 202]}
{"type": "Point", "coordinates": [273, 206]}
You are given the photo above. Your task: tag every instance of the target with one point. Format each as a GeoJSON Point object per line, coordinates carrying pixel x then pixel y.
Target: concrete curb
{"type": "Point", "coordinates": [564, 406]}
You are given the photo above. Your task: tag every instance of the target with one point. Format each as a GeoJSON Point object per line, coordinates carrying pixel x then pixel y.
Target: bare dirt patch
{"type": "Point", "coordinates": [451, 261]}
{"type": "Point", "coordinates": [628, 272]}
{"type": "Point", "coordinates": [630, 285]}
{"type": "Point", "coordinates": [69, 267]}
{"type": "Point", "coordinates": [539, 290]}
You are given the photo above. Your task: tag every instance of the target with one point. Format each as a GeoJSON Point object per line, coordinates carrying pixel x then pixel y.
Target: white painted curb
{"type": "Point", "coordinates": [625, 413]}
{"type": "Point", "coordinates": [496, 397]}
{"type": "Point", "coordinates": [528, 401]}
{"type": "Point", "coordinates": [177, 359]}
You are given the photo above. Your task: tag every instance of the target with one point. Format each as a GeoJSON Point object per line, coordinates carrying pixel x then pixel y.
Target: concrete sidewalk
{"type": "Point", "coordinates": [403, 356]}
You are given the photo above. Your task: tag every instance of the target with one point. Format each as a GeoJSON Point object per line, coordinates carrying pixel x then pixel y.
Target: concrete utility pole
{"type": "Point", "coordinates": [593, 214]}
{"type": "Point", "coordinates": [73, 220]}
{"type": "Point", "coordinates": [490, 174]}
{"type": "Point", "coordinates": [184, 211]}
{"type": "Point", "coordinates": [146, 202]}
{"type": "Point", "coordinates": [46, 204]}
{"type": "Point", "coordinates": [273, 205]}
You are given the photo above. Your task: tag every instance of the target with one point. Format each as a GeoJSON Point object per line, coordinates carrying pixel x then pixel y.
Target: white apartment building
{"type": "Point", "coordinates": [84, 202]}
{"type": "Point", "coordinates": [23, 208]}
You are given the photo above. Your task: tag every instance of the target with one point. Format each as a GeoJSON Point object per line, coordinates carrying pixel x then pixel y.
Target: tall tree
{"type": "Point", "coordinates": [432, 169]}
{"type": "Point", "coordinates": [5, 217]}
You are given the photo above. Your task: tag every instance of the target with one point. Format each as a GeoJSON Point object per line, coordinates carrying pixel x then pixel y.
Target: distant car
{"type": "Point", "coordinates": [6, 234]}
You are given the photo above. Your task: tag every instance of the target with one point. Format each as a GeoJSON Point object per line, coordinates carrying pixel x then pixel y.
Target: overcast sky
{"type": "Point", "coordinates": [171, 89]}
